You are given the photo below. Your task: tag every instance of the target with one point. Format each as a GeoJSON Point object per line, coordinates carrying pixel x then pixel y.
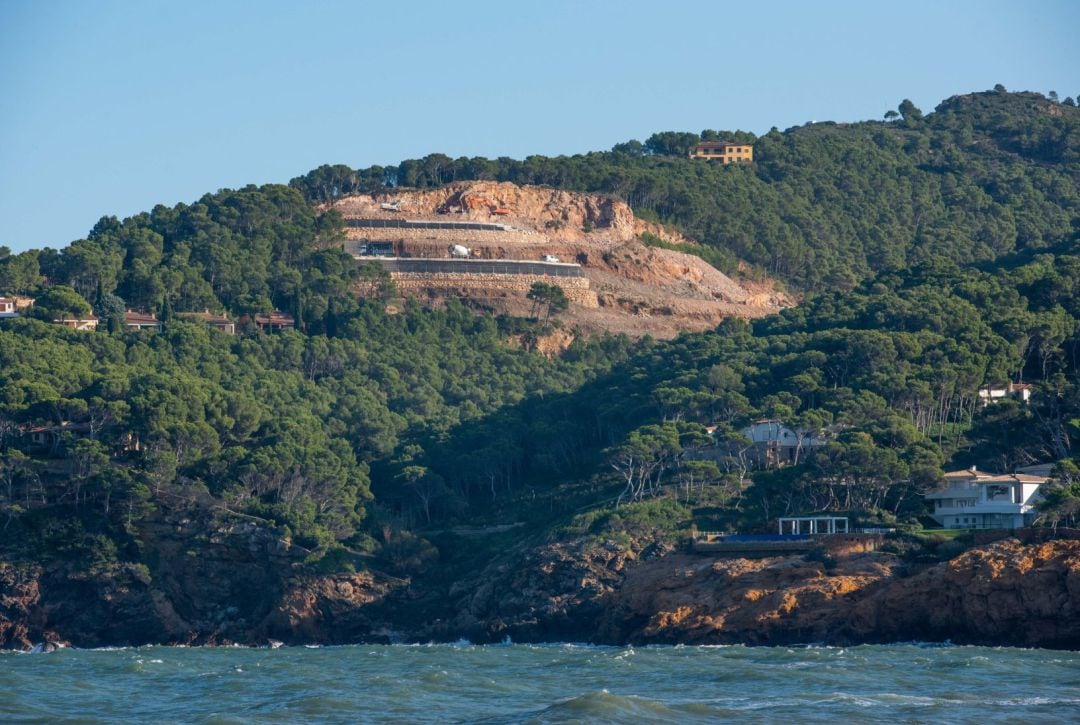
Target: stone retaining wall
{"type": "Point", "coordinates": [487, 285]}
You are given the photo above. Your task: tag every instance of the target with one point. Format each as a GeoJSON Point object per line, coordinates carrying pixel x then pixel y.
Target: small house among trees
{"type": "Point", "coordinates": [221, 323]}
{"type": "Point", "coordinates": [274, 322]}
{"type": "Point", "coordinates": [141, 321]}
{"type": "Point", "coordinates": [775, 444]}
{"type": "Point", "coordinates": [725, 152]}
{"type": "Point", "coordinates": [86, 323]}
{"type": "Point", "coordinates": [997, 393]}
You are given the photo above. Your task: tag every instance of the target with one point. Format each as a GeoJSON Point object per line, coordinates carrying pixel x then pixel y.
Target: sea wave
{"type": "Point", "coordinates": [606, 707]}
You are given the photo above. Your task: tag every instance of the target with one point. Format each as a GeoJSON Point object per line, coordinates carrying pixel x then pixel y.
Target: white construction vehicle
{"type": "Point", "coordinates": [459, 252]}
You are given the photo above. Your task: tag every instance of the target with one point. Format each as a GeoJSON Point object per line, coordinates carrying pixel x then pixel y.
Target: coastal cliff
{"type": "Point", "coordinates": [1007, 593]}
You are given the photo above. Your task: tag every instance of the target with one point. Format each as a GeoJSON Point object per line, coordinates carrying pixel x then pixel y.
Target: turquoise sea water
{"type": "Point", "coordinates": [545, 683]}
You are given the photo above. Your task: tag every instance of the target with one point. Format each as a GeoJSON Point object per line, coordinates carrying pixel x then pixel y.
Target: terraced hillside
{"type": "Point", "coordinates": [635, 288]}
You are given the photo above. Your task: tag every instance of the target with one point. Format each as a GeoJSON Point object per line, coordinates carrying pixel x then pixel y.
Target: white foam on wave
{"type": "Point", "coordinates": [1030, 701]}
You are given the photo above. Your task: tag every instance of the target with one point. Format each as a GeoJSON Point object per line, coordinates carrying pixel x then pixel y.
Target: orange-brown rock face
{"type": "Point", "coordinates": [637, 289]}
{"type": "Point", "coordinates": [696, 600]}
{"type": "Point", "coordinates": [560, 215]}
{"type": "Point", "coordinates": [322, 609]}
{"type": "Point", "coordinates": [20, 602]}
{"type": "Point", "coordinates": [1006, 594]}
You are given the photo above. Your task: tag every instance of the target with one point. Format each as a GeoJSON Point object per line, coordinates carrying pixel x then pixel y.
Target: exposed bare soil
{"type": "Point", "coordinates": [641, 290]}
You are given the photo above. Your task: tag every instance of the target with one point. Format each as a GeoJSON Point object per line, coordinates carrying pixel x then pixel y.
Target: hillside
{"type": "Point", "coordinates": [385, 464]}
{"type": "Point", "coordinates": [638, 289]}
{"type": "Point", "coordinates": [824, 205]}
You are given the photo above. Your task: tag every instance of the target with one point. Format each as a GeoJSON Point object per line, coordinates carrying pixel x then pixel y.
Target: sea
{"type": "Point", "coordinates": [557, 683]}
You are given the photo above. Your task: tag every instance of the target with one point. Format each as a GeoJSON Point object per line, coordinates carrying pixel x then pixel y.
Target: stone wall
{"type": "Point", "coordinates": [487, 285]}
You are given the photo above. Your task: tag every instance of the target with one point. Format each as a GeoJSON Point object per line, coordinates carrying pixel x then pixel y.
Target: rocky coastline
{"type": "Point", "coordinates": [1007, 593]}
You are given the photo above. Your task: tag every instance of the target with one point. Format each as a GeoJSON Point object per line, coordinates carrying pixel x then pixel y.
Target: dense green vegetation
{"type": "Point", "coordinates": [940, 253]}
{"type": "Point", "coordinates": [892, 369]}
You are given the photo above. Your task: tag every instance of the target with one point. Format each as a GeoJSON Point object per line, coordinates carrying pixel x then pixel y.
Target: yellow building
{"type": "Point", "coordinates": [725, 151]}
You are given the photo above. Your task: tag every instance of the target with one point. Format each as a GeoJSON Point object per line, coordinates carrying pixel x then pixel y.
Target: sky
{"type": "Point", "coordinates": [109, 108]}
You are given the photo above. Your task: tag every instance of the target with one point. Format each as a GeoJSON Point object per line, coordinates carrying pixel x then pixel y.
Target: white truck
{"type": "Point", "coordinates": [550, 258]}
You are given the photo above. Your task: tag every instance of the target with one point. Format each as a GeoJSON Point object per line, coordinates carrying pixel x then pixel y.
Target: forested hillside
{"type": "Point", "coordinates": [826, 204]}
{"type": "Point", "coordinates": [939, 253]}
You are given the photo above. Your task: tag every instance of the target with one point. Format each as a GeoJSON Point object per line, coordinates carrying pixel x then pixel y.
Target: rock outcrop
{"type": "Point", "coordinates": [1006, 593]}
{"type": "Point", "coordinates": [560, 215]}
{"type": "Point", "coordinates": [243, 585]}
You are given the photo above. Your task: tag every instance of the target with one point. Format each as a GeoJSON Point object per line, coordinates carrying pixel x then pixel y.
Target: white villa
{"type": "Point", "coordinates": [776, 444]}
{"type": "Point", "coordinates": [997, 393]}
{"type": "Point", "coordinates": [974, 499]}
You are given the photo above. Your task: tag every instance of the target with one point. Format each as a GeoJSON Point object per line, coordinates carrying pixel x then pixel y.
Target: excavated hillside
{"type": "Point", "coordinates": [639, 289]}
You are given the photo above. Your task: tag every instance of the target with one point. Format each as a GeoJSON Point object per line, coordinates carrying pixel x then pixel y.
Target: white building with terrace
{"type": "Point", "coordinates": [973, 499]}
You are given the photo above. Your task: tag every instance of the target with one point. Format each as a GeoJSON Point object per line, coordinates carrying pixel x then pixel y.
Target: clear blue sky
{"type": "Point", "coordinates": [113, 107]}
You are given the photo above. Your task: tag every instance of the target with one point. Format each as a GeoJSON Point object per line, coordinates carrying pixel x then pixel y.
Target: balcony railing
{"type": "Point", "coordinates": [983, 507]}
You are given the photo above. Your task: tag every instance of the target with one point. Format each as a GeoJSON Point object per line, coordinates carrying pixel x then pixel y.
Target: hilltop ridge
{"type": "Point", "coordinates": [824, 205]}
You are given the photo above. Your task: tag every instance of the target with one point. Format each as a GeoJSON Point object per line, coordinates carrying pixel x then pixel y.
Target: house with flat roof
{"type": "Point", "coordinates": [726, 152]}
{"type": "Point", "coordinates": [997, 393]}
{"type": "Point", "coordinates": [974, 499]}
{"type": "Point", "coordinates": [8, 308]}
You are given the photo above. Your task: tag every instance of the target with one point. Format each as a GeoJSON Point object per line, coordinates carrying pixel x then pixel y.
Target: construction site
{"type": "Point", "coordinates": [489, 242]}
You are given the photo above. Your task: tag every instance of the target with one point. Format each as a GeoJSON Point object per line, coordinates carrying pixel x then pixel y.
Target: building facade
{"type": "Point", "coordinates": [141, 321]}
{"type": "Point", "coordinates": [997, 393]}
{"type": "Point", "coordinates": [973, 499]}
{"type": "Point", "coordinates": [724, 151]}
